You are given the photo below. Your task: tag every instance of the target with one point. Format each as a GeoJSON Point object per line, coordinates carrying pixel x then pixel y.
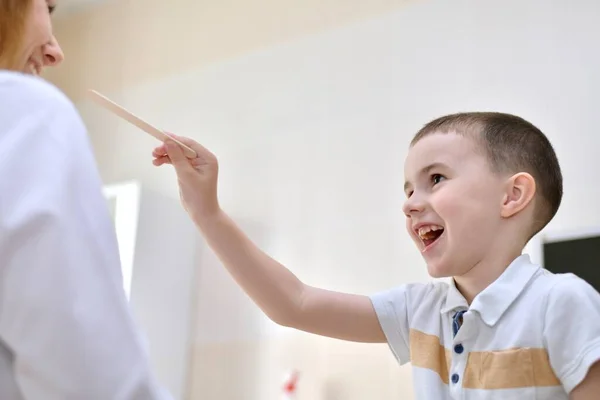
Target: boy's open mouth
{"type": "Point", "coordinates": [429, 234]}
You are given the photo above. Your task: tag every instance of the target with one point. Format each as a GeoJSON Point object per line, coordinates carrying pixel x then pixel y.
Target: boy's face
{"type": "Point", "coordinates": [453, 203]}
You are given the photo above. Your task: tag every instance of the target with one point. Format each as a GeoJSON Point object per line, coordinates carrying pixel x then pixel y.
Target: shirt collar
{"type": "Point", "coordinates": [494, 300]}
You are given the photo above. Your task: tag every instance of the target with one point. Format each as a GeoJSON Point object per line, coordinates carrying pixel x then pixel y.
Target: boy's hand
{"type": "Point", "coordinates": [197, 177]}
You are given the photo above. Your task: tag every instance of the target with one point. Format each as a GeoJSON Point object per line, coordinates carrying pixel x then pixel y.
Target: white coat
{"type": "Point", "coordinates": [66, 331]}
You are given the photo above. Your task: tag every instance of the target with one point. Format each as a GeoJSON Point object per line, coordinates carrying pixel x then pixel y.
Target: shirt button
{"type": "Point", "coordinates": [455, 378]}
{"type": "Point", "coordinates": [459, 348]}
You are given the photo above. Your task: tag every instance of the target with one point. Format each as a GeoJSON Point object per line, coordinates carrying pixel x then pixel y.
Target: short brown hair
{"type": "Point", "coordinates": [511, 145]}
{"type": "Point", "coordinates": [13, 16]}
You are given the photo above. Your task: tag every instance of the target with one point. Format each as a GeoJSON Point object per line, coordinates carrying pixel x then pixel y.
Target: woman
{"type": "Point", "coordinates": [66, 332]}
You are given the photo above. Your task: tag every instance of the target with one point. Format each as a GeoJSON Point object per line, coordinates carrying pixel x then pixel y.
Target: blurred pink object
{"type": "Point", "coordinates": [290, 386]}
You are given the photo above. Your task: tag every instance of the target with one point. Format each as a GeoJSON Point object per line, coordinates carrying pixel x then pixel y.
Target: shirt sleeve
{"type": "Point", "coordinates": [393, 308]}
{"type": "Point", "coordinates": [572, 329]}
{"type": "Point", "coordinates": [392, 311]}
{"type": "Point", "coordinates": [64, 315]}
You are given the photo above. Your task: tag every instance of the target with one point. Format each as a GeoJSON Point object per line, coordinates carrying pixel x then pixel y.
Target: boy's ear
{"type": "Point", "coordinates": [520, 191]}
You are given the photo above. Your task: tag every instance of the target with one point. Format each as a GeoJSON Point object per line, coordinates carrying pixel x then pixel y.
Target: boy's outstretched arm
{"type": "Point", "coordinates": [275, 289]}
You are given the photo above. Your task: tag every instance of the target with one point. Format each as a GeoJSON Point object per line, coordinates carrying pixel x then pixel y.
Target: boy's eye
{"type": "Point", "coordinates": [437, 178]}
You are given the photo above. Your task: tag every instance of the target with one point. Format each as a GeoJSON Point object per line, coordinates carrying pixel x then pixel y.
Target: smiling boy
{"type": "Point", "coordinates": [478, 187]}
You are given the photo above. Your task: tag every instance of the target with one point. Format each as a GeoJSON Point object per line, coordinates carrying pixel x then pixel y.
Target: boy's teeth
{"type": "Point", "coordinates": [424, 230]}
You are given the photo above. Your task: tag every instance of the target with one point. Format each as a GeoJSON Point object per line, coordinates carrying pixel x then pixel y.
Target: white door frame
{"type": "Point", "coordinates": [127, 205]}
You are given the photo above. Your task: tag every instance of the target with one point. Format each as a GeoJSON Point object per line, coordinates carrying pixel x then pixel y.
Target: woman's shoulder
{"type": "Point", "coordinates": [35, 112]}
{"type": "Point", "coordinates": [30, 92]}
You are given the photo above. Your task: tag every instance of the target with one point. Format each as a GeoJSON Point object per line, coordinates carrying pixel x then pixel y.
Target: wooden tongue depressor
{"type": "Point", "coordinates": [143, 125]}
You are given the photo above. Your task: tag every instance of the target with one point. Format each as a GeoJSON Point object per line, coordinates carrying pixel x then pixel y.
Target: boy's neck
{"type": "Point", "coordinates": [484, 273]}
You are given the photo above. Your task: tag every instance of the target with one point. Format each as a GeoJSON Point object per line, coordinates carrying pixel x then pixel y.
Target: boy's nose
{"type": "Point", "coordinates": [412, 205]}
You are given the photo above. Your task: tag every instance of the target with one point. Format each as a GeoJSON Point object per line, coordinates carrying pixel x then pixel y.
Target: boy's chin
{"type": "Point", "coordinates": [439, 270]}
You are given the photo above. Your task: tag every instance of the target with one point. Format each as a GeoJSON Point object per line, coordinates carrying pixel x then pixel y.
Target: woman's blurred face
{"type": "Point", "coordinates": [40, 48]}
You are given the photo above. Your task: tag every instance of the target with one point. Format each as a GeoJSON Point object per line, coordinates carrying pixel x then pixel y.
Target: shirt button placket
{"type": "Point", "coordinates": [459, 349]}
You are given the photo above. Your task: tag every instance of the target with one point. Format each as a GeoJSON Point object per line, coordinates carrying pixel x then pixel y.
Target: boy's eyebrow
{"type": "Point", "coordinates": [435, 165]}
{"type": "Point", "coordinates": [426, 170]}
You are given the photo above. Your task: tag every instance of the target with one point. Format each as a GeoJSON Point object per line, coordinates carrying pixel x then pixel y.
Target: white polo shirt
{"type": "Point", "coordinates": [530, 335]}
{"type": "Point", "coordinates": [66, 331]}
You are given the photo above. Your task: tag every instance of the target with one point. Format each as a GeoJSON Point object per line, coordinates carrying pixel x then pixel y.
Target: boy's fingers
{"type": "Point", "coordinates": [197, 147]}
{"type": "Point", "coordinates": [178, 159]}
{"type": "Point", "coordinates": [160, 151]}
{"type": "Point", "coordinates": [158, 161]}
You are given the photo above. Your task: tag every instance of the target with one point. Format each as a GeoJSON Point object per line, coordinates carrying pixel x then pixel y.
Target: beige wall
{"type": "Point", "coordinates": [310, 107]}
{"type": "Point", "coordinates": [126, 42]}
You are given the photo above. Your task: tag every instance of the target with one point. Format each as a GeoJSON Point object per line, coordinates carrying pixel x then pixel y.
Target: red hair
{"type": "Point", "coordinates": [13, 16]}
